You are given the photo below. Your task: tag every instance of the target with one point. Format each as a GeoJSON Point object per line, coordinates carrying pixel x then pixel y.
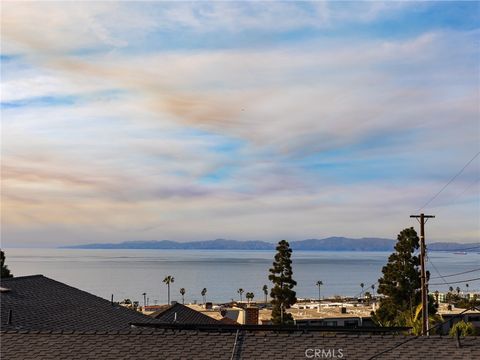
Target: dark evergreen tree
{"type": "Point", "coordinates": [282, 293]}
{"type": "Point", "coordinates": [5, 272]}
{"type": "Point", "coordinates": [401, 281]}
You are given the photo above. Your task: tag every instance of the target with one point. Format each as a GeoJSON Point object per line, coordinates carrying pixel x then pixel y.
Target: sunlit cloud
{"type": "Point", "coordinates": [111, 131]}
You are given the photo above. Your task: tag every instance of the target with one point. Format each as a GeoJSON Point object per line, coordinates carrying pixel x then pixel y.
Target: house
{"type": "Point", "coordinates": [452, 316]}
{"type": "Point", "coordinates": [181, 314]}
{"type": "Point", "coordinates": [39, 303]}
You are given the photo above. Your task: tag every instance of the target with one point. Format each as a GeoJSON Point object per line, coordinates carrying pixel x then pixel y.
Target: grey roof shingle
{"type": "Point", "coordinates": [40, 303]}
{"type": "Point", "coordinates": [182, 314]}
{"type": "Point", "coordinates": [188, 344]}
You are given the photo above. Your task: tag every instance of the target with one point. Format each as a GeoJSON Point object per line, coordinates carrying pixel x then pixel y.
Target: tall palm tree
{"type": "Point", "coordinates": [319, 284]}
{"type": "Point", "coordinates": [182, 292]}
{"type": "Point", "coordinates": [362, 286]}
{"type": "Point", "coordinates": [467, 295]}
{"type": "Point", "coordinates": [373, 289]}
{"type": "Point", "coordinates": [204, 293]}
{"type": "Point", "coordinates": [437, 294]}
{"type": "Point", "coordinates": [240, 291]}
{"type": "Point", "coordinates": [169, 279]}
{"type": "Point", "coordinates": [144, 299]}
{"type": "Point", "coordinates": [458, 290]}
{"type": "Point", "coordinates": [249, 296]}
{"type": "Point", "coordinates": [265, 292]}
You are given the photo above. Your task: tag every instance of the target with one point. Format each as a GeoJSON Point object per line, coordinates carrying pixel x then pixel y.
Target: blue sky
{"type": "Point", "coordinates": [241, 120]}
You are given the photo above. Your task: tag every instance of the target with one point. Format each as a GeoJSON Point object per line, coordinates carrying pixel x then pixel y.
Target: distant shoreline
{"type": "Point", "coordinates": [327, 244]}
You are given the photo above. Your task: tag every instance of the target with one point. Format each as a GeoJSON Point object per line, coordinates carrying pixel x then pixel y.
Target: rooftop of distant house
{"type": "Point", "coordinates": [181, 314]}
{"type": "Point", "coordinates": [39, 303]}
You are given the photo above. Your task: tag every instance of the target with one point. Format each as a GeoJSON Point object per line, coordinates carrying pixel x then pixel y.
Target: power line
{"type": "Point", "coordinates": [370, 287]}
{"type": "Point", "coordinates": [457, 282]}
{"type": "Point", "coordinates": [450, 181]}
{"type": "Point", "coordinates": [467, 188]}
{"type": "Point", "coordinates": [438, 272]}
{"type": "Point", "coordinates": [461, 249]}
{"type": "Point", "coordinates": [445, 276]}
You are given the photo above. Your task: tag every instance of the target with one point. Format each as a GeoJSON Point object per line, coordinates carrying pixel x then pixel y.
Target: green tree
{"type": "Point", "coordinates": [265, 292]}
{"type": "Point", "coordinates": [249, 296]}
{"type": "Point", "coordinates": [182, 292]}
{"type": "Point", "coordinates": [465, 329]}
{"type": "Point", "coordinates": [5, 272]}
{"type": "Point", "coordinates": [169, 279]}
{"type": "Point", "coordinates": [282, 293]}
{"type": "Point", "coordinates": [362, 285]}
{"type": "Point", "coordinates": [414, 320]}
{"type": "Point", "coordinates": [204, 295]}
{"type": "Point", "coordinates": [240, 292]}
{"type": "Point", "coordinates": [401, 280]}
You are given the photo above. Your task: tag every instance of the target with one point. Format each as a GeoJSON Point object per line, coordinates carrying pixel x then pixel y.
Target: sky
{"type": "Point", "coordinates": [240, 120]}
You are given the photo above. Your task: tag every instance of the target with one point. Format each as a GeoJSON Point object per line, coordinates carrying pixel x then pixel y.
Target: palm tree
{"type": "Point", "coordinates": [204, 293]}
{"type": "Point", "coordinates": [144, 299]}
{"type": "Point", "coordinates": [458, 290]}
{"type": "Point", "coordinates": [467, 295]}
{"type": "Point", "coordinates": [182, 292]}
{"type": "Point", "coordinates": [265, 292]}
{"type": "Point", "coordinates": [373, 289]}
{"type": "Point", "coordinates": [437, 294]}
{"type": "Point", "coordinates": [450, 289]}
{"type": "Point", "coordinates": [368, 297]}
{"type": "Point", "coordinates": [319, 283]}
{"type": "Point", "coordinates": [240, 291]}
{"type": "Point", "coordinates": [250, 296]}
{"type": "Point", "coordinates": [362, 285]}
{"type": "Point", "coordinates": [169, 280]}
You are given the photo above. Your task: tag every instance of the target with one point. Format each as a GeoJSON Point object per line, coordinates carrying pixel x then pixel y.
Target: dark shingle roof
{"type": "Point", "coordinates": [183, 344]}
{"type": "Point", "coordinates": [40, 303]}
{"type": "Point", "coordinates": [182, 314]}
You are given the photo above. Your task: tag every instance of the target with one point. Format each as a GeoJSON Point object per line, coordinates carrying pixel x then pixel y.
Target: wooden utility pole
{"type": "Point", "coordinates": [423, 274]}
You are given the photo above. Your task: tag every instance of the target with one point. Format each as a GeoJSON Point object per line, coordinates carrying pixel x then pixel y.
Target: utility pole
{"type": "Point", "coordinates": [423, 275]}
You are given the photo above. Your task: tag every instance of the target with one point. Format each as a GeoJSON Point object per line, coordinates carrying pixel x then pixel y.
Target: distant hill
{"type": "Point", "coordinates": [344, 244]}
{"type": "Point", "coordinates": [328, 244]}
{"type": "Point", "coordinates": [218, 244]}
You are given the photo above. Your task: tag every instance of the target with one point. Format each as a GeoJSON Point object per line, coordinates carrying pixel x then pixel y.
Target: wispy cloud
{"type": "Point", "coordinates": [110, 128]}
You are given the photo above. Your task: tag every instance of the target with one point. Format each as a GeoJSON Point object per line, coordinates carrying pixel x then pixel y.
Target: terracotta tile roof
{"type": "Point", "coordinates": [40, 303]}
{"type": "Point", "coordinates": [182, 314]}
{"type": "Point", "coordinates": [208, 345]}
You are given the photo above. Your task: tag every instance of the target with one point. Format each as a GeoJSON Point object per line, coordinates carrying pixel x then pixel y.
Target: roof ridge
{"type": "Point", "coordinates": [23, 277]}
{"type": "Point", "coordinates": [162, 331]}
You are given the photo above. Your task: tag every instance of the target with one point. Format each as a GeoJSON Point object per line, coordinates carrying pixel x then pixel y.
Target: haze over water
{"type": "Point", "coordinates": [129, 273]}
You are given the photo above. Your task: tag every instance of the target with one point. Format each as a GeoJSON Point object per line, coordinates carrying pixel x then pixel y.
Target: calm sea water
{"type": "Point", "coordinates": [129, 273]}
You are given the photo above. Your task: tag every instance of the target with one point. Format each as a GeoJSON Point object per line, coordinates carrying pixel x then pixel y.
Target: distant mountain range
{"type": "Point", "coordinates": [327, 244]}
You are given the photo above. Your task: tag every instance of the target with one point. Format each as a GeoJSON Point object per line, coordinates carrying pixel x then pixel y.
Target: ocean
{"type": "Point", "coordinates": [129, 273]}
